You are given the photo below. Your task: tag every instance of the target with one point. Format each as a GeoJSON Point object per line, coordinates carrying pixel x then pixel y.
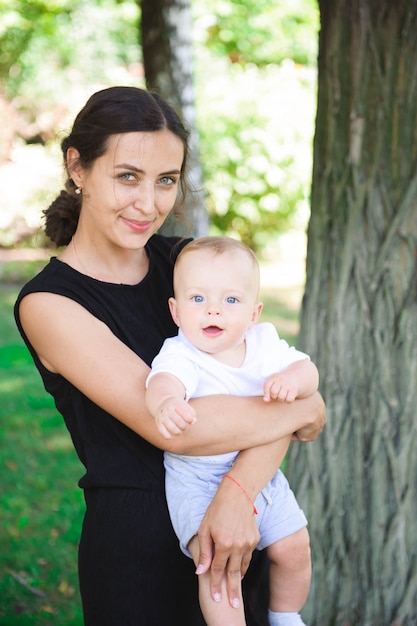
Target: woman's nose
{"type": "Point", "coordinates": [145, 198]}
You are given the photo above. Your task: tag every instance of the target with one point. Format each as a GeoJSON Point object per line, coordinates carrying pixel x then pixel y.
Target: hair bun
{"type": "Point", "coordinates": [61, 218]}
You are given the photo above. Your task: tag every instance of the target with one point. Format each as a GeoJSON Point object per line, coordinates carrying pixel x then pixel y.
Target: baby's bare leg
{"type": "Point", "coordinates": [216, 613]}
{"type": "Point", "coordinates": [290, 572]}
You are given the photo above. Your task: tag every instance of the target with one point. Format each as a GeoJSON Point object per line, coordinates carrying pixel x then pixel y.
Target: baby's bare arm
{"type": "Point", "coordinates": [298, 380]}
{"type": "Point", "coordinates": [165, 400]}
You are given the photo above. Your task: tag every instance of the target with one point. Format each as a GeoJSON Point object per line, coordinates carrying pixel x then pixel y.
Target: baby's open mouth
{"type": "Point", "coordinates": [212, 330]}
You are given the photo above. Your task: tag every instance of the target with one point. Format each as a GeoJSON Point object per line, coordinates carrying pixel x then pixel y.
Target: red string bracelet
{"type": "Point", "coordinates": [255, 511]}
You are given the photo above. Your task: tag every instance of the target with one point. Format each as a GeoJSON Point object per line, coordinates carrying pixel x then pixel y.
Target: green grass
{"type": "Point", "coordinates": [281, 307]}
{"type": "Point", "coordinates": [40, 503]}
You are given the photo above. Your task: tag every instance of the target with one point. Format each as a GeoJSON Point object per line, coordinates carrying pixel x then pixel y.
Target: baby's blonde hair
{"type": "Point", "coordinates": [219, 245]}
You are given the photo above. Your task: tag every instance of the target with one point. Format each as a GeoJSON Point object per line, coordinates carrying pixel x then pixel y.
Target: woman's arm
{"type": "Point", "coordinates": [72, 342]}
{"type": "Point", "coordinates": [228, 533]}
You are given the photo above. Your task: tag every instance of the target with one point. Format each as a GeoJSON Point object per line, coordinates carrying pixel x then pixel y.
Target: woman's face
{"type": "Point", "coordinates": [129, 191]}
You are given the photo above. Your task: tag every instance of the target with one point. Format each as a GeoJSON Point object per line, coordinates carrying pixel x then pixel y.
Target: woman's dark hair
{"type": "Point", "coordinates": [107, 112]}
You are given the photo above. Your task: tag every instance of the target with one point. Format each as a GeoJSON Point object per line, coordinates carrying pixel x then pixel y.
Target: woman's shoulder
{"type": "Point", "coordinates": [53, 272]}
{"type": "Point", "coordinates": [59, 278]}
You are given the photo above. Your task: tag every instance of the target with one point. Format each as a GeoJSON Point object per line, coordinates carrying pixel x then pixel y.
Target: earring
{"type": "Point", "coordinates": [78, 191]}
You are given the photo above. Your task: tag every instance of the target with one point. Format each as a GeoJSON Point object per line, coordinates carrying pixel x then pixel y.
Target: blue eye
{"type": "Point", "coordinates": [127, 176]}
{"type": "Point", "coordinates": [231, 300]}
{"type": "Point", "coordinates": [198, 298]}
{"type": "Point", "coordinates": [168, 181]}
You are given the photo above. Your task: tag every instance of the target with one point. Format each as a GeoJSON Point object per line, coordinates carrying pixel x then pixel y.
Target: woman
{"type": "Point", "coordinates": [93, 320]}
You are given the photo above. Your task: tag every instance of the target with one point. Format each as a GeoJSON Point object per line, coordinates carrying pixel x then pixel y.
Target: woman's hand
{"type": "Point", "coordinates": [317, 416]}
{"type": "Point", "coordinates": [227, 537]}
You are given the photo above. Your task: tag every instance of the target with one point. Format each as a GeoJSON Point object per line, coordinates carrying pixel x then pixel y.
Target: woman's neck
{"type": "Point", "coordinates": [114, 265]}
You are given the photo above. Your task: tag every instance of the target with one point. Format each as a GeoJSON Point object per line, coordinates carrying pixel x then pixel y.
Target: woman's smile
{"type": "Point", "coordinates": [136, 225]}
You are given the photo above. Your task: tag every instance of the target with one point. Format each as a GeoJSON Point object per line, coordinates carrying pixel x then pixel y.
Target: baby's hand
{"type": "Point", "coordinates": [281, 386]}
{"type": "Point", "coordinates": [174, 416]}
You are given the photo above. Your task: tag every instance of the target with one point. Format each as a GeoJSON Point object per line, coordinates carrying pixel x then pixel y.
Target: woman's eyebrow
{"type": "Point", "coordinates": [127, 166]}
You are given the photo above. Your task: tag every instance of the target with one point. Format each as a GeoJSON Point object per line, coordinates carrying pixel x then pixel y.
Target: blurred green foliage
{"type": "Point", "coordinates": [255, 78]}
{"type": "Point", "coordinates": [46, 43]}
{"type": "Point", "coordinates": [261, 31]}
{"type": "Point", "coordinates": [256, 150]}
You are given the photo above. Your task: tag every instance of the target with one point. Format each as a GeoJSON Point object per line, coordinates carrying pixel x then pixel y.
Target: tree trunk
{"type": "Point", "coordinates": [357, 483]}
{"type": "Point", "coordinates": [167, 55]}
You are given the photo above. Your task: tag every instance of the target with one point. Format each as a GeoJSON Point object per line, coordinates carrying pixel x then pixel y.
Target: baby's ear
{"type": "Point", "coordinates": [256, 314]}
{"type": "Point", "coordinates": [173, 309]}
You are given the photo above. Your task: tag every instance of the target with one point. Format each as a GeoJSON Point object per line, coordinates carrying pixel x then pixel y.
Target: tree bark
{"type": "Point", "coordinates": [167, 55]}
{"type": "Point", "coordinates": [357, 483]}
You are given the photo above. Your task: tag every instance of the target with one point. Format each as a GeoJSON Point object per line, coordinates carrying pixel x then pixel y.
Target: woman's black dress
{"type": "Point", "coordinates": [131, 570]}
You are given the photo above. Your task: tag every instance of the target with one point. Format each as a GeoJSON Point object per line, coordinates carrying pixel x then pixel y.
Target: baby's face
{"type": "Point", "coordinates": [215, 298]}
